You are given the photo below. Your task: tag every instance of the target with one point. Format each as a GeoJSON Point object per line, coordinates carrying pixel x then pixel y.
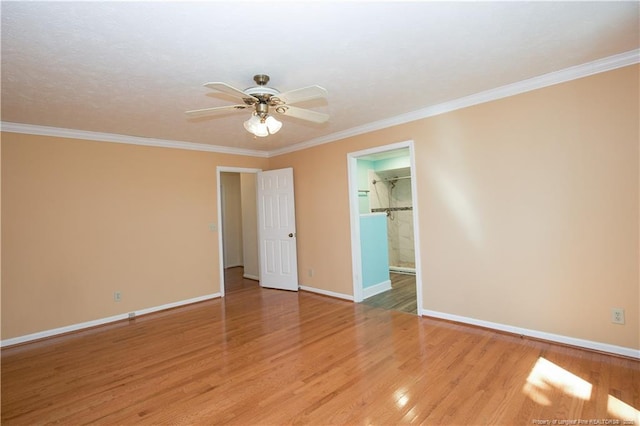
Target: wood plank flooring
{"type": "Point", "coordinates": [262, 356]}
{"type": "Point", "coordinates": [401, 297]}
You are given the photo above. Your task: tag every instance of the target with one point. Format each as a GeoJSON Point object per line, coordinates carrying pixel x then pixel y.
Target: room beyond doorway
{"type": "Point", "coordinates": [401, 297]}
{"type": "Point", "coordinates": [237, 221]}
{"type": "Point", "coordinates": [384, 224]}
{"type": "Point", "coordinates": [235, 281]}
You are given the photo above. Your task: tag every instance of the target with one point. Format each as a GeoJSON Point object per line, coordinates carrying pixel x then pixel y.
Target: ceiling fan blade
{"type": "Point", "coordinates": [300, 95]}
{"type": "Point", "coordinates": [229, 90]}
{"type": "Point", "coordinates": [215, 110]}
{"type": "Point", "coordinates": [301, 113]}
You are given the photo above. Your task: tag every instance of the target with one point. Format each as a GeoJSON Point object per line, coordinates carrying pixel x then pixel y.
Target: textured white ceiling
{"type": "Point", "coordinates": [133, 68]}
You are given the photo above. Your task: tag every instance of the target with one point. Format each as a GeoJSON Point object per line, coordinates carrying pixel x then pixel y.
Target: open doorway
{"type": "Point", "coordinates": [237, 224]}
{"type": "Point", "coordinates": [383, 202]}
{"type": "Point", "coordinates": [272, 223]}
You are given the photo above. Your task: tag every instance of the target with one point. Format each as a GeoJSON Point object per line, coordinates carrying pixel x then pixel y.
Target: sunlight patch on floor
{"type": "Point", "coordinates": [546, 376]}
{"type": "Point", "coordinates": [622, 410]}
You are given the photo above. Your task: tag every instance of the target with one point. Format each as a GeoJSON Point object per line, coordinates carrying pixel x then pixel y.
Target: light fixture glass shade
{"type": "Point", "coordinates": [272, 124]}
{"type": "Point", "coordinates": [256, 126]}
{"type": "Point", "coordinates": [261, 130]}
{"type": "Point", "coordinates": [252, 124]}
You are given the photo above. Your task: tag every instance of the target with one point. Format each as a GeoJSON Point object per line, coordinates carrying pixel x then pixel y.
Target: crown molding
{"type": "Point", "coordinates": [32, 129]}
{"type": "Point", "coordinates": [573, 73]}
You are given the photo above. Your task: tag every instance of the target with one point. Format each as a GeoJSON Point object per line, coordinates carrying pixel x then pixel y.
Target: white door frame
{"type": "Point", "coordinates": [219, 170]}
{"type": "Point", "coordinates": [356, 253]}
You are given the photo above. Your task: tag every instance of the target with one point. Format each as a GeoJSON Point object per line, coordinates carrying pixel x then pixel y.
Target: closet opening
{"type": "Point", "coordinates": [384, 232]}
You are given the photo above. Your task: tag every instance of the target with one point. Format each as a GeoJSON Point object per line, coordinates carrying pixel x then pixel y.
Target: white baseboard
{"type": "Point", "coordinates": [251, 277]}
{"type": "Point", "coordinates": [376, 289]}
{"type": "Point", "coordinates": [101, 321]}
{"type": "Point", "coordinates": [572, 341]}
{"type": "Point", "coordinates": [233, 265]}
{"type": "Point", "coordinates": [327, 292]}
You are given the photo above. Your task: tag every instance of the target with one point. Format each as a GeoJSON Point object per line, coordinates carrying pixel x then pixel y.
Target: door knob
{"type": "Point", "coordinates": [291, 235]}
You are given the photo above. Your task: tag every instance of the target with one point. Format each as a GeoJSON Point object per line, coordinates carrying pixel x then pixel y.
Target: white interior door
{"type": "Point", "coordinates": [277, 230]}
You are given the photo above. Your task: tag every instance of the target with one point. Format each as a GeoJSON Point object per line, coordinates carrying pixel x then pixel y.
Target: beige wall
{"type": "Point", "coordinates": [232, 219]}
{"type": "Point", "coordinates": [529, 213]}
{"type": "Point", "coordinates": [528, 208]}
{"type": "Point", "coordinates": [83, 219]}
{"type": "Point", "coordinates": [249, 225]}
{"type": "Point", "coordinates": [528, 216]}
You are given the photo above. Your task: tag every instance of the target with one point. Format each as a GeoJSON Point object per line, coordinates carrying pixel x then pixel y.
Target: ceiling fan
{"type": "Point", "coordinates": [263, 100]}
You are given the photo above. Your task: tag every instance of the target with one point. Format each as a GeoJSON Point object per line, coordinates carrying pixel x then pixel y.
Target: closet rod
{"type": "Point", "coordinates": [390, 179]}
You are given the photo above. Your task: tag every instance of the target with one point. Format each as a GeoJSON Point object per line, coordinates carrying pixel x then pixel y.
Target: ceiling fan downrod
{"type": "Point", "coordinates": [262, 106]}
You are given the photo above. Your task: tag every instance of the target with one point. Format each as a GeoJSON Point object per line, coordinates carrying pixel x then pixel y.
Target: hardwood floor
{"type": "Point", "coordinates": [401, 297]}
{"type": "Point", "coordinates": [263, 356]}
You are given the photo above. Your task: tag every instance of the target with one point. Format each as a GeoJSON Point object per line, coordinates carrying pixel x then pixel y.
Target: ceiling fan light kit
{"type": "Point", "coordinates": [262, 127]}
{"type": "Point", "coordinates": [260, 98]}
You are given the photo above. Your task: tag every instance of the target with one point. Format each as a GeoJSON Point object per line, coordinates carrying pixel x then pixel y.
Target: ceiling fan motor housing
{"type": "Point", "coordinates": [262, 109]}
{"type": "Point", "coordinates": [262, 93]}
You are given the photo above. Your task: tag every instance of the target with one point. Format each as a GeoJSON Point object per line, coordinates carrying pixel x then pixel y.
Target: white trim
{"type": "Point", "coordinates": [354, 219]}
{"type": "Point", "coordinates": [251, 277]}
{"type": "Point", "coordinates": [373, 214]}
{"type": "Point", "coordinates": [370, 291]}
{"type": "Point", "coordinates": [326, 292]}
{"type": "Point", "coordinates": [102, 321]}
{"type": "Point", "coordinates": [238, 169]}
{"type": "Point", "coordinates": [32, 129]}
{"type": "Point", "coordinates": [572, 341]}
{"type": "Point", "coordinates": [416, 226]}
{"type": "Point", "coordinates": [572, 73]}
{"type": "Point", "coordinates": [354, 213]}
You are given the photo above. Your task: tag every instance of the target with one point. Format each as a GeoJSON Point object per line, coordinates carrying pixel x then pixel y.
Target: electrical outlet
{"type": "Point", "coordinates": [117, 296]}
{"type": "Point", "coordinates": [617, 315]}
{"type": "Point", "coordinates": [310, 272]}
